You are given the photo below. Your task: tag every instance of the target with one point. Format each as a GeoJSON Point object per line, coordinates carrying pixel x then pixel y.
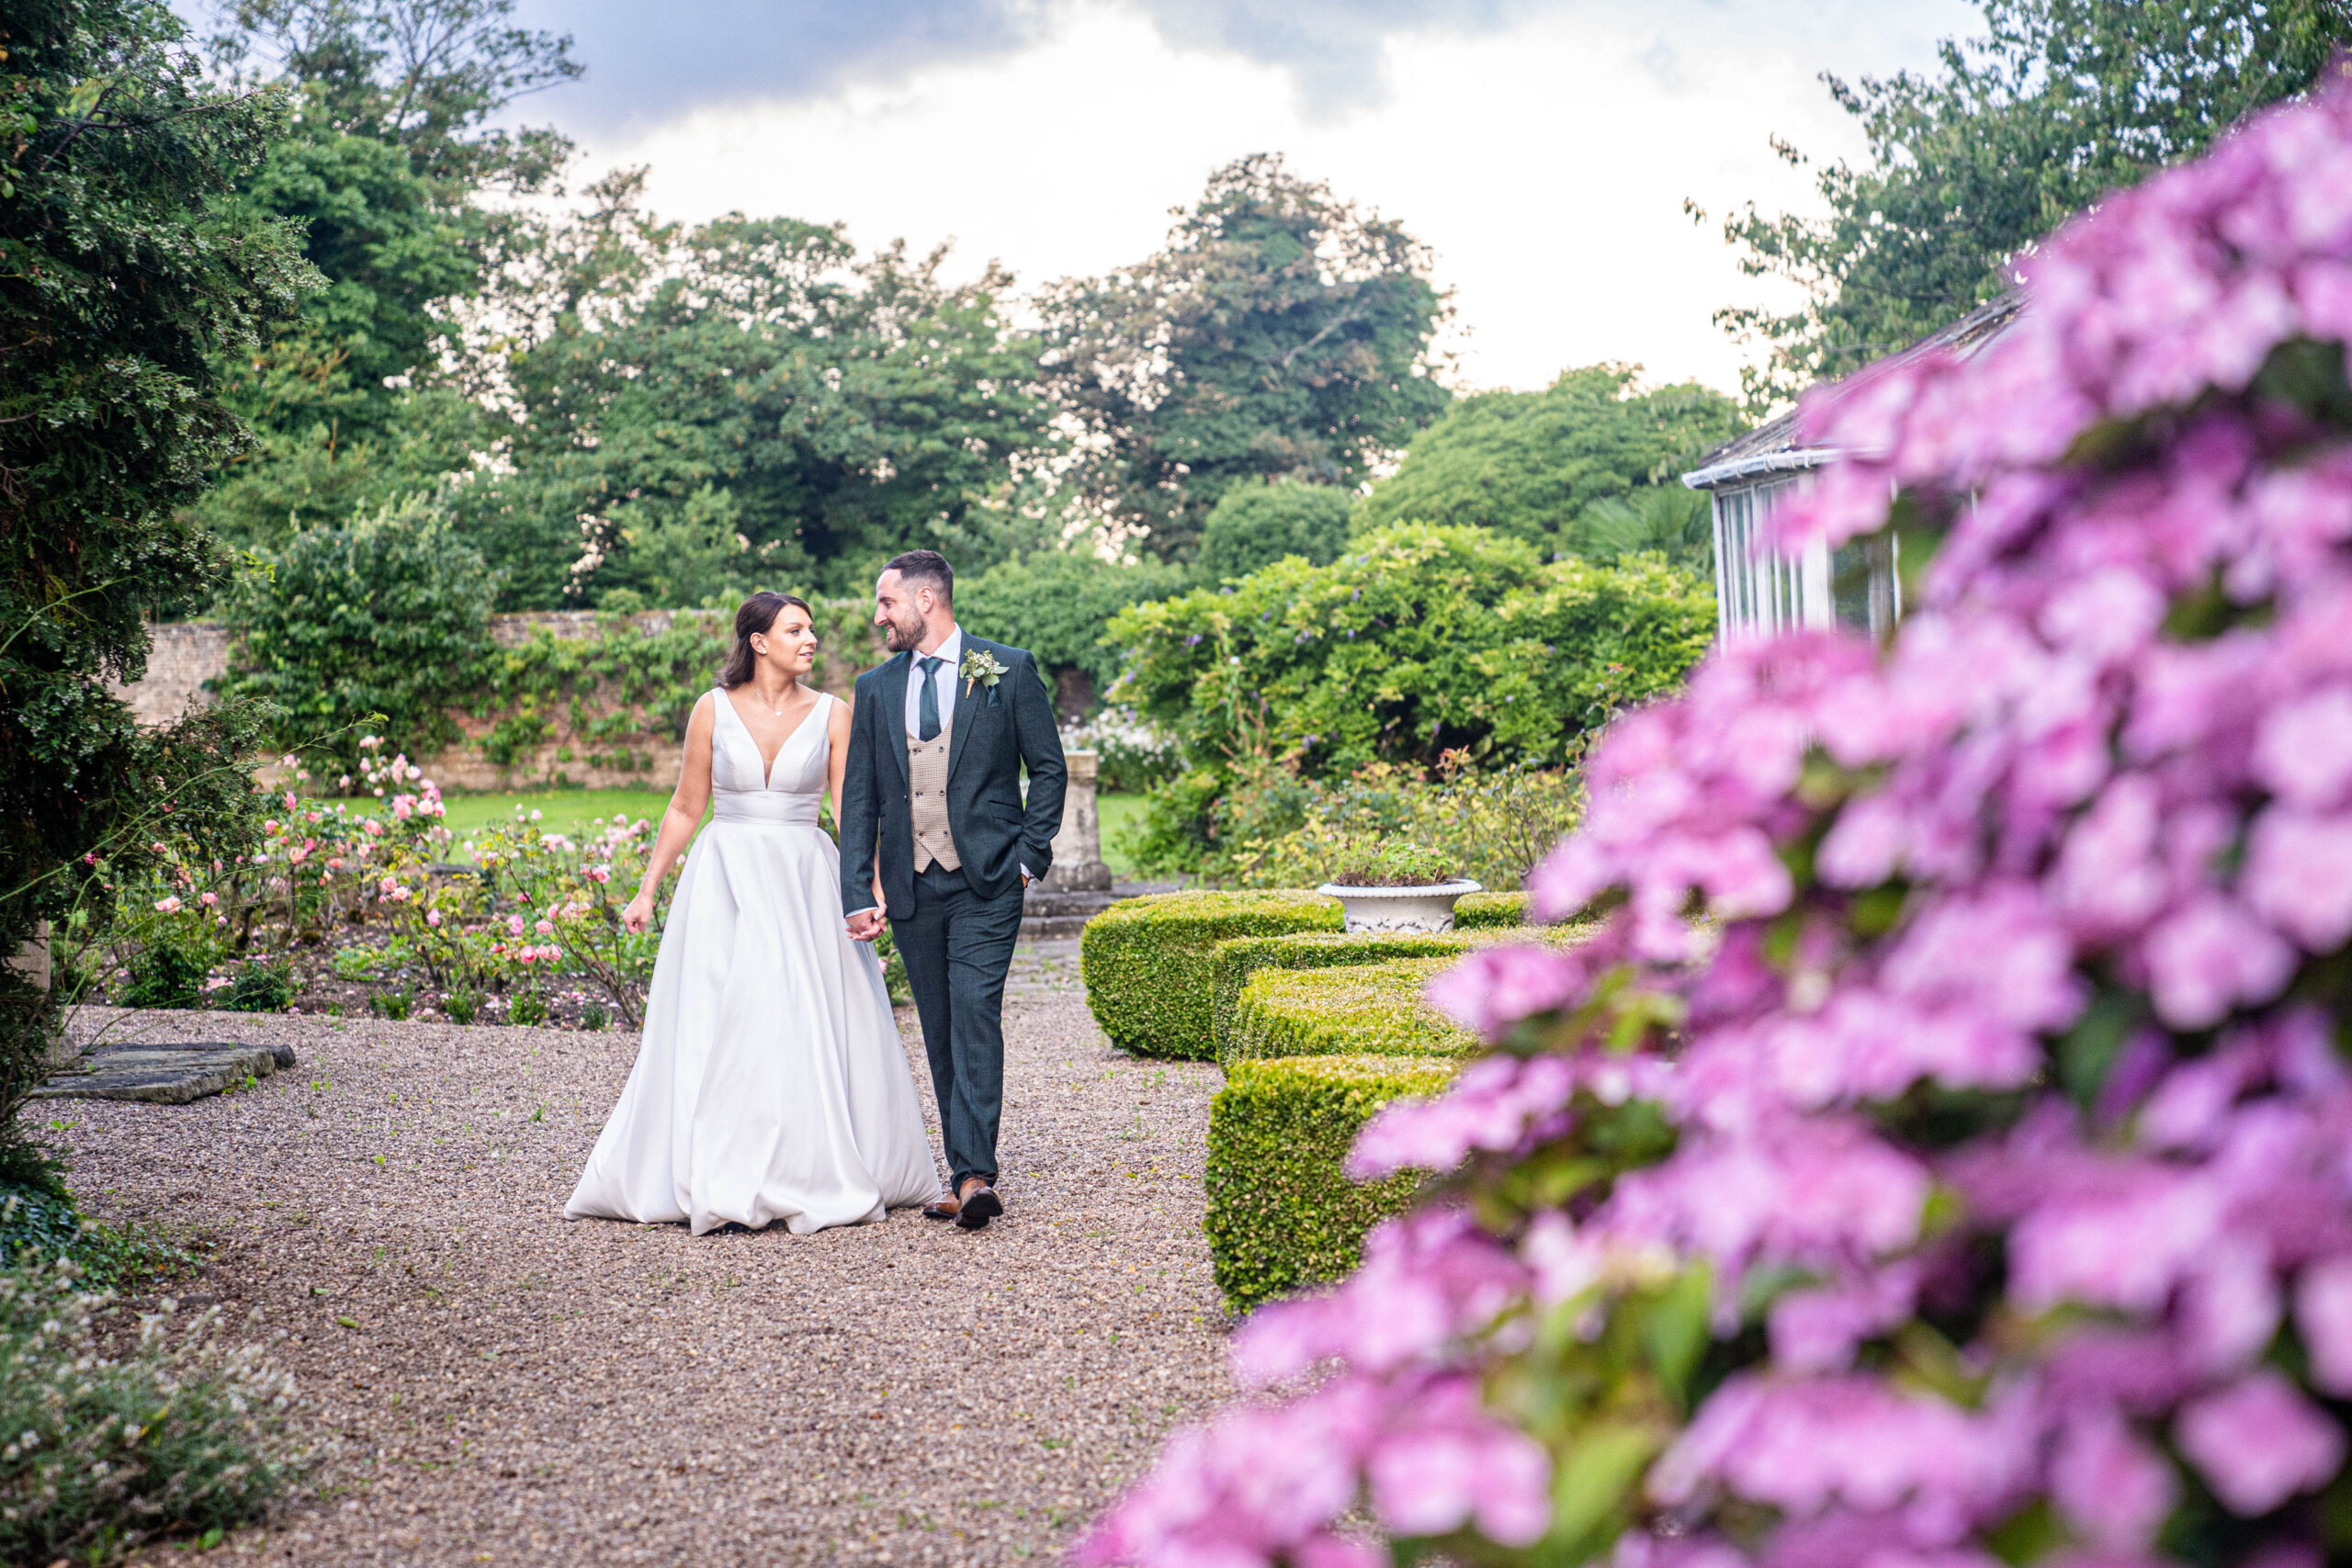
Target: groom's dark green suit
{"type": "Point", "coordinates": [956, 929]}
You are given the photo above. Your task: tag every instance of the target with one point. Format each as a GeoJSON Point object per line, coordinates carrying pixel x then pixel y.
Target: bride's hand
{"type": "Point", "coordinates": [638, 915]}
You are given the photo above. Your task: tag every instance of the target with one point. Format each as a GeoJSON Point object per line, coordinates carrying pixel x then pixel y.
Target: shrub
{"type": "Point", "coordinates": [1131, 756]}
{"type": "Point", "coordinates": [179, 1434]}
{"type": "Point", "coordinates": [1370, 1009]}
{"type": "Point", "coordinates": [1235, 959]}
{"type": "Point", "coordinates": [1281, 1214]}
{"type": "Point", "coordinates": [1533, 464]}
{"type": "Point", "coordinates": [528, 1007]}
{"type": "Point", "coordinates": [1148, 964]}
{"type": "Point", "coordinates": [1059, 606]}
{"type": "Point", "coordinates": [1257, 523]}
{"type": "Point", "coordinates": [1268, 825]}
{"type": "Point", "coordinates": [260, 986]}
{"type": "Point", "coordinates": [1420, 640]}
{"type": "Point", "coordinates": [168, 971]}
{"type": "Point", "coordinates": [1968, 1183]}
{"type": "Point", "coordinates": [386, 614]}
{"type": "Point", "coordinates": [1489, 910]}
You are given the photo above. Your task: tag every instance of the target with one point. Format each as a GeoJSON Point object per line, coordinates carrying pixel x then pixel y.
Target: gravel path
{"type": "Point", "coordinates": [508, 1387]}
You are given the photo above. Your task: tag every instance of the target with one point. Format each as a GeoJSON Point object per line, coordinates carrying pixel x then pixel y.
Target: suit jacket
{"type": "Point", "coordinates": [995, 731]}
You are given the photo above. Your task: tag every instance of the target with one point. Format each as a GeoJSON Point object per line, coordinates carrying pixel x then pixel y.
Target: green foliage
{"type": "Point", "coordinates": [424, 76]}
{"type": "Point", "coordinates": [1058, 605]}
{"type": "Point", "coordinates": [106, 1449]}
{"type": "Point", "coordinates": [126, 279]}
{"type": "Point", "coordinates": [1491, 911]}
{"type": "Point", "coordinates": [1664, 519]}
{"type": "Point", "coordinates": [1362, 1009]}
{"type": "Point", "coordinates": [1235, 961]}
{"type": "Point", "coordinates": [527, 1008]}
{"type": "Point", "coordinates": [1420, 640]}
{"type": "Point", "coordinates": [260, 984]}
{"type": "Point", "coordinates": [1257, 523]}
{"type": "Point", "coordinates": [1280, 331]}
{"type": "Point", "coordinates": [1394, 862]}
{"type": "Point", "coordinates": [40, 1224]}
{"type": "Point", "coordinates": [1282, 1213]}
{"type": "Point", "coordinates": [752, 403]}
{"type": "Point", "coordinates": [386, 614]}
{"type": "Point", "coordinates": [2013, 134]}
{"type": "Point", "coordinates": [168, 971]}
{"type": "Point", "coordinates": [1150, 964]}
{"type": "Point", "coordinates": [1531, 465]}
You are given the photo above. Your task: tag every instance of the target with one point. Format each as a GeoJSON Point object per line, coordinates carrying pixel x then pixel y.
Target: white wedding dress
{"type": "Point", "coordinates": [771, 1084]}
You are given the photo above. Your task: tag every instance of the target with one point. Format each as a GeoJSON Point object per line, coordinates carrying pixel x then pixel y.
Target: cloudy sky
{"type": "Point", "coordinates": [1542, 148]}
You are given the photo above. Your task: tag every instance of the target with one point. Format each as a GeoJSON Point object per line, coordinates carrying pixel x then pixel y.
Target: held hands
{"type": "Point", "coordinates": [866, 924]}
{"type": "Point", "coordinates": [638, 915]}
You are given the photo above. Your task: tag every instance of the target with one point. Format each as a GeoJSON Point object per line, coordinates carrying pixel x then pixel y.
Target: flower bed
{"type": "Point", "coordinates": [1148, 963]}
{"type": "Point", "coordinates": [387, 912]}
{"type": "Point", "coordinates": [1969, 1187]}
{"type": "Point", "coordinates": [1282, 1215]}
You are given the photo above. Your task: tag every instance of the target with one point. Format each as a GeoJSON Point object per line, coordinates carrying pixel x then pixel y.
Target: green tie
{"type": "Point", "coordinates": [927, 712]}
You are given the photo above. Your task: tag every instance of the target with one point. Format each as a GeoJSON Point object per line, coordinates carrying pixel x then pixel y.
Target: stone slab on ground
{"type": "Point", "coordinates": [519, 1389]}
{"type": "Point", "coordinates": [164, 1072]}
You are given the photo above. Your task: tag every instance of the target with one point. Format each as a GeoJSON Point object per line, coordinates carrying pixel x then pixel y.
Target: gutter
{"type": "Point", "coordinates": [1721, 474]}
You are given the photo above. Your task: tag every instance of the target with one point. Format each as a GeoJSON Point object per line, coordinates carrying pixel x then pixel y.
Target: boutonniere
{"type": "Point", "coordinates": [979, 667]}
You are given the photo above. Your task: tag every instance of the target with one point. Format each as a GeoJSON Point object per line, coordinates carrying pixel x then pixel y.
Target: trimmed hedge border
{"type": "Point", "coordinates": [1489, 912]}
{"type": "Point", "coordinates": [1238, 960]}
{"type": "Point", "coordinates": [1371, 1009]}
{"type": "Point", "coordinates": [1148, 963]}
{"type": "Point", "coordinates": [1282, 1213]}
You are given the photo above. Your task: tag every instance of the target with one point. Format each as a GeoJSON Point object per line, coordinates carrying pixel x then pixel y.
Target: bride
{"type": "Point", "coordinates": [770, 1083]}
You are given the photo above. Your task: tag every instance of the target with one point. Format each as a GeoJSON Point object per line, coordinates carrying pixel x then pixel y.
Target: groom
{"type": "Point", "coordinates": [937, 739]}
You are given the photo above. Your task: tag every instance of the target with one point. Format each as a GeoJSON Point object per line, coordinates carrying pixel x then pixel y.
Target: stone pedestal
{"type": "Point", "coordinates": [1077, 848]}
{"type": "Point", "coordinates": [1078, 885]}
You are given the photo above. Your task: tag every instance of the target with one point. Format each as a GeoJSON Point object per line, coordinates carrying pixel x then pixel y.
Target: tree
{"type": "Point", "coordinates": [129, 278]}
{"type": "Point", "coordinates": [1257, 523]}
{"type": "Point", "coordinates": [775, 409]}
{"type": "Point", "coordinates": [422, 75]}
{"type": "Point", "coordinates": [1058, 605]}
{"type": "Point", "coordinates": [387, 613]}
{"type": "Point", "coordinates": [1281, 332]}
{"type": "Point", "coordinates": [2062, 101]}
{"type": "Point", "coordinates": [389, 154]}
{"type": "Point", "coordinates": [1529, 464]}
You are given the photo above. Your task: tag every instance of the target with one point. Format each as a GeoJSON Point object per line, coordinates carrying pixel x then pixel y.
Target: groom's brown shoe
{"type": "Point", "coordinates": [940, 1208]}
{"type": "Point", "coordinates": [978, 1206]}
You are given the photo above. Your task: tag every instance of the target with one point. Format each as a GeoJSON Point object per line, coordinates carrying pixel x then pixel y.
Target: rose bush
{"type": "Point", "coordinates": [1939, 1156]}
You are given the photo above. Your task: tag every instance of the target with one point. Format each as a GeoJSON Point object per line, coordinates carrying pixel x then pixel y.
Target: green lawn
{"type": "Point", "coordinates": [570, 811]}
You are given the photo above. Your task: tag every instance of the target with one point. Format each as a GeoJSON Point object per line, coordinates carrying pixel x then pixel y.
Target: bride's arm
{"type": "Point", "coordinates": [688, 803]}
{"type": "Point", "coordinates": [837, 757]}
{"type": "Point", "coordinates": [837, 726]}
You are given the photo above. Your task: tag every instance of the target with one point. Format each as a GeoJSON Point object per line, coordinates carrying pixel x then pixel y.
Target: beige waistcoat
{"type": "Point", "coordinates": [927, 778]}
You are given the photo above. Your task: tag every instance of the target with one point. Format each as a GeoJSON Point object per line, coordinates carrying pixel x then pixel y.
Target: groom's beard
{"type": "Point", "coordinates": [900, 636]}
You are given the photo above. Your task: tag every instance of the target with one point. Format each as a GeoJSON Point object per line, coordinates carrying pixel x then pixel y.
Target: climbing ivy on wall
{"type": "Point", "coordinates": [615, 696]}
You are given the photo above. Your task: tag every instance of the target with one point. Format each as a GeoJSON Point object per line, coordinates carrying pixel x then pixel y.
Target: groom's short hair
{"type": "Point", "coordinates": [917, 568]}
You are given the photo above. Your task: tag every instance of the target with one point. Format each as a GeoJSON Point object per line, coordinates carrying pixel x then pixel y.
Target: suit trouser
{"type": "Point", "coordinates": [958, 946]}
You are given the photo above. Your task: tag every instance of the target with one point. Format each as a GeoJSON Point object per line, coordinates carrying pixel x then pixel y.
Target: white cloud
{"type": "Point", "coordinates": [1546, 161]}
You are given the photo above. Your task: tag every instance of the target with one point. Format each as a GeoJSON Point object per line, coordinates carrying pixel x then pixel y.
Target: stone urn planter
{"type": "Point", "coordinates": [1424, 908]}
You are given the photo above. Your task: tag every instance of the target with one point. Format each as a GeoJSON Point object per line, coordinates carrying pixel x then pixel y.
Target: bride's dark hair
{"type": "Point", "coordinates": [758, 614]}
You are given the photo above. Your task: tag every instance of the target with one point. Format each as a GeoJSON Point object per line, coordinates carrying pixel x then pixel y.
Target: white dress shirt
{"type": "Point", "coordinates": [951, 656]}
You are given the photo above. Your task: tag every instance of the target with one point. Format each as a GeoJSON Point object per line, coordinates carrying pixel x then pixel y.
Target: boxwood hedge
{"type": "Point", "coordinates": [1238, 959]}
{"type": "Point", "coordinates": [1488, 912]}
{"type": "Point", "coordinates": [1367, 1010]}
{"type": "Point", "coordinates": [1282, 1213]}
{"type": "Point", "coordinates": [1148, 962]}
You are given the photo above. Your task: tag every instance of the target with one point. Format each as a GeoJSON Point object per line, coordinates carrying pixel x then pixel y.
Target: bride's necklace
{"type": "Point", "coordinates": [778, 711]}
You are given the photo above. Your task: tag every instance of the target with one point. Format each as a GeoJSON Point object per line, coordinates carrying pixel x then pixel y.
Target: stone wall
{"type": "Point", "coordinates": [187, 655]}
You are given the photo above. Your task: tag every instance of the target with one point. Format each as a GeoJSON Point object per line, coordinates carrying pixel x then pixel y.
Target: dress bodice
{"type": "Point", "coordinates": [791, 790]}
